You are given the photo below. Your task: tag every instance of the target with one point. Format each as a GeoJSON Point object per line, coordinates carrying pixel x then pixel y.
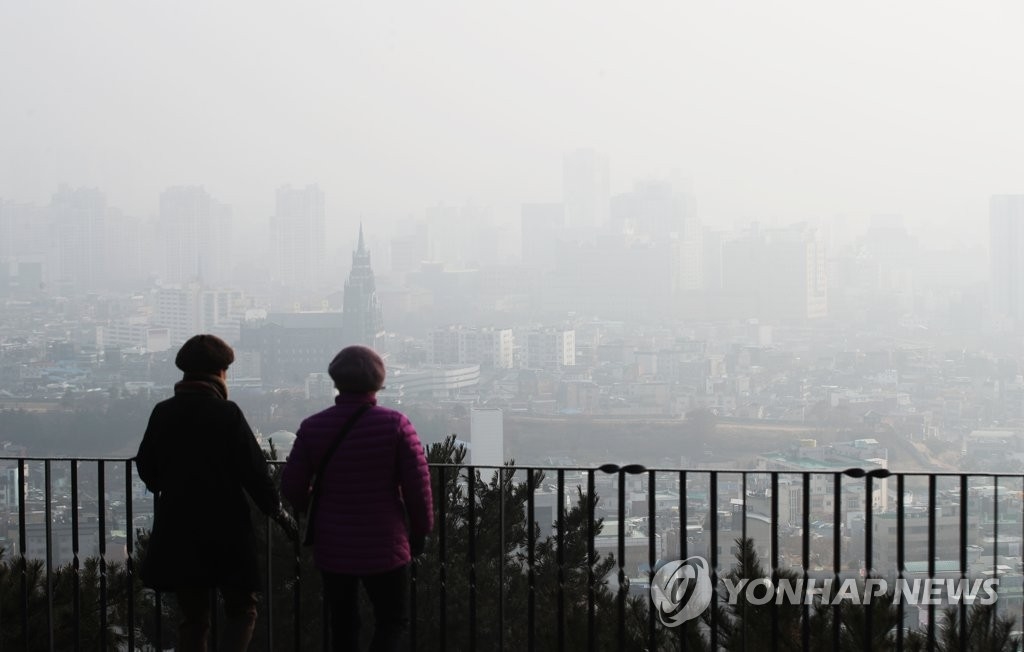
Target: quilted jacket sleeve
{"type": "Point", "coordinates": [414, 476]}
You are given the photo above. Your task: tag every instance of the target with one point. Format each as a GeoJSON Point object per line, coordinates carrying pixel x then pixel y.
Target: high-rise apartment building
{"type": "Point", "coordinates": [192, 309]}
{"type": "Point", "coordinates": [487, 347]}
{"type": "Point", "coordinates": [194, 231]}
{"type": "Point", "coordinates": [585, 189]}
{"type": "Point", "coordinates": [362, 321]}
{"type": "Point", "coordinates": [542, 226]}
{"type": "Point", "coordinates": [77, 217]}
{"type": "Point", "coordinates": [776, 274]}
{"type": "Point", "coordinates": [297, 232]}
{"type": "Point", "coordinates": [550, 349]}
{"type": "Point", "coordinates": [24, 244]}
{"type": "Point", "coordinates": [1006, 230]}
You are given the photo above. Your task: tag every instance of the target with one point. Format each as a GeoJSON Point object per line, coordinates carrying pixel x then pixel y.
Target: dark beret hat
{"type": "Point", "coordinates": [204, 354]}
{"type": "Point", "coordinates": [357, 369]}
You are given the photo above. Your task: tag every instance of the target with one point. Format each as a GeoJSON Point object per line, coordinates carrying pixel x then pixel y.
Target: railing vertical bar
{"type": "Point", "coordinates": [413, 614]}
{"type": "Point", "coordinates": [101, 506]}
{"type": "Point", "coordinates": [900, 566]}
{"type": "Point", "coordinates": [869, 493]}
{"type": "Point", "coordinates": [471, 554]}
{"type": "Point", "coordinates": [214, 629]}
{"type": "Point", "coordinates": [591, 580]}
{"type": "Point", "coordinates": [932, 494]}
{"type": "Point", "coordinates": [743, 510]}
{"type": "Point", "coordinates": [621, 561]}
{"type": "Point", "coordinates": [743, 536]}
{"type": "Point", "coordinates": [683, 533]}
{"type": "Point", "coordinates": [837, 536]}
{"type": "Point", "coordinates": [158, 626]}
{"type": "Point", "coordinates": [713, 505]}
{"type": "Point", "coordinates": [326, 631]}
{"type": "Point", "coordinates": [501, 557]}
{"type": "Point", "coordinates": [805, 557]}
{"type": "Point", "coordinates": [297, 596]}
{"type": "Point", "coordinates": [158, 604]}
{"type": "Point", "coordinates": [995, 541]}
{"type": "Point", "coordinates": [76, 580]}
{"type": "Point", "coordinates": [651, 560]}
{"type": "Point", "coordinates": [531, 598]}
{"type": "Point", "coordinates": [774, 553]}
{"type": "Point", "coordinates": [22, 543]}
{"type": "Point", "coordinates": [560, 558]}
{"type": "Point", "coordinates": [268, 591]}
{"type": "Point", "coordinates": [442, 549]}
{"type": "Point", "coordinates": [129, 563]}
{"type": "Point", "coordinates": [963, 559]}
{"type": "Point", "coordinates": [48, 515]}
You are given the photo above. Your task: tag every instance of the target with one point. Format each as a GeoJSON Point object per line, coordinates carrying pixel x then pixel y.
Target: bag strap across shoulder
{"type": "Point", "coordinates": [337, 440]}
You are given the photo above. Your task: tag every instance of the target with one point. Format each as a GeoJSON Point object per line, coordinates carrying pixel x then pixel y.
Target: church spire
{"type": "Point", "coordinates": [361, 318]}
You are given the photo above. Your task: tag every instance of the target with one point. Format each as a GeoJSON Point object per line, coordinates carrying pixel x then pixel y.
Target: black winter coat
{"type": "Point", "coordinates": [200, 458]}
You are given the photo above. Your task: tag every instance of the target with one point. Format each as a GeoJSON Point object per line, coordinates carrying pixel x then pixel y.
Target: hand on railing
{"type": "Point", "coordinates": [287, 523]}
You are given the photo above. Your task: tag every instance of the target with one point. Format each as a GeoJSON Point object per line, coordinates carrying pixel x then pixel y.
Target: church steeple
{"type": "Point", "coordinates": [362, 320]}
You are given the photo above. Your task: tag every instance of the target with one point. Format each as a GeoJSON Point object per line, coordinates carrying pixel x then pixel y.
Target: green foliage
{"type": "Point", "coordinates": [498, 578]}
{"type": "Point", "coordinates": [25, 583]}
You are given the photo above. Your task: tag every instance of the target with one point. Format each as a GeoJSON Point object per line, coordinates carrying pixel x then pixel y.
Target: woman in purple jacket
{"type": "Point", "coordinates": [374, 508]}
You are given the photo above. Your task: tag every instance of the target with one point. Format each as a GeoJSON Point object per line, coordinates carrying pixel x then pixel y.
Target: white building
{"type": "Point", "coordinates": [195, 233]}
{"type": "Point", "coordinates": [298, 233]}
{"type": "Point", "coordinates": [439, 381]}
{"type": "Point", "coordinates": [1006, 230]}
{"type": "Point", "coordinates": [487, 437]}
{"type": "Point", "coordinates": [487, 347]}
{"type": "Point", "coordinates": [135, 333]}
{"type": "Point", "coordinates": [585, 189]}
{"type": "Point", "coordinates": [549, 349]}
{"type": "Point", "coordinates": [192, 309]}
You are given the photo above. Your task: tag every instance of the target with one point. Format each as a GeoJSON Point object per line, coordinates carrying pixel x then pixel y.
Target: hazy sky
{"type": "Point", "coordinates": [774, 110]}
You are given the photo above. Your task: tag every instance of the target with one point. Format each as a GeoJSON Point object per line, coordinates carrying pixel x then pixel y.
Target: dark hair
{"type": "Point", "coordinates": [357, 369]}
{"type": "Point", "coordinates": [204, 354]}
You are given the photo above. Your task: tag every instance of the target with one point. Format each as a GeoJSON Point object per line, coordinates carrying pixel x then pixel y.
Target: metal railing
{"type": "Point", "coordinates": [527, 557]}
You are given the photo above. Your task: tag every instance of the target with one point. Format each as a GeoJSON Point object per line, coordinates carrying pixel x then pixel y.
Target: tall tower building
{"type": "Point", "coordinates": [195, 231]}
{"type": "Point", "coordinates": [1006, 230]}
{"type": "Point", "coordinates": [78, 221]}
{"type": "Point", "coordinates": [297, 232]}
{"type": "Point", "coordinates": [361, 312]}
{"type": "Point", "coordinates": [542, 225]}
{"type": "Point", "coordinates": [585, 189]}
{"type": "Point", "coordinates": [777, 274]}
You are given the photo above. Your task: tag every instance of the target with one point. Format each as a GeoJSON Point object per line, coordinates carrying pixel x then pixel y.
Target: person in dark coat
{"type": "Point", "coordinates": [200, 459]}
{"type": "Point", "coordinates": [375, 506]}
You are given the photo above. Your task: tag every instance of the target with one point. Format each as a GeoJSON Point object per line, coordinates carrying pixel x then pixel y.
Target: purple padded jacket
{"type": "Point", "coordinates": [376, 476]}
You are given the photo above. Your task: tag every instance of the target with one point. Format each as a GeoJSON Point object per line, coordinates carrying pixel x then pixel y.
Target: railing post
{"type": "Point", "coordinates": [48, 515]}
{"type": "Point", "coordinates": [651, 558]}
{"type": "Point", "coordinates": [101, 500]}
{"type": "Point", "coordinates": [22, 543]}
{"type": "Point", "coordinates": [76, 586]}
{"type": "Point", "coordinates": [471, 557]}
{"type": "Point", "coordinates": [129, 563]}
{"type": "Point", "coordinates": [591, 597]}
{"type": "Point", "coordinates": [805, 556]}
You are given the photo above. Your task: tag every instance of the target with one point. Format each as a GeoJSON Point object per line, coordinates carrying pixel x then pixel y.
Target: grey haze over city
{"type": "Point", "coordinates": [680, 212]}
{"type": "Point", "coordinates": [773, 112]}
{"type": "Point", "coordinates": [745, 279]}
